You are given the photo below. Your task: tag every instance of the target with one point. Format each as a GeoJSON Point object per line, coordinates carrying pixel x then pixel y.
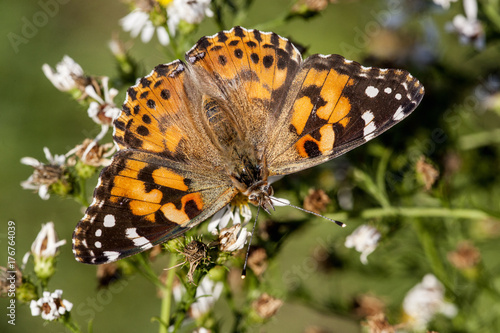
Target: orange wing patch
{"type": "Point", "coordinates": [321, 92]}
{"type": "Point", "coordinates": [260, 63]}
{"type": "Point", "coordinates": [148, 188]}
{"type": "Point", "coordinates": [190, 203]}
{"type": "Point", "coordinates": [152, 113]}
{"type": "Point", "coordinates": [308, 146]}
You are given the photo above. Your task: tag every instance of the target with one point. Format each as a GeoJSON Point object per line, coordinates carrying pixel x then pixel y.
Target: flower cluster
{"type": "Point", "coordinates": [57, 175]}
{"type": "Point", "coordinates": [45, 175]}
{"type": "Point", "coordinates": [164, 18]}
{"type": "Point", "coordinates": [50, 306]}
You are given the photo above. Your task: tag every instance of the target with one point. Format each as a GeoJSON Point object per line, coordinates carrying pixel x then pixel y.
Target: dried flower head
{"type": "Point", "coordinates": [465, 256]}
{"type": "Point", "coordinates": [233, 238]}
{"type": "Point", "coordinates": [266, 306]}
{"type": "Point", "coordinates": [316, 200]}
{"type": "Point", "coordinates": [257, 261]}
{"type": "Point", "coordinates": [194, 252]}
{"type": "Point", "coordinates": [50, 306]}
{"type": "Point", "coordinates": [44, 175]}
{"type": "Point", "coordinates": [10, 280]}
{"type": "Point", "coordinates": [369, 305]}
{"type": "Point", "coordinates": [92, 153]}
{"type": "Point", "coordinates": [378, 323]}
{"type": "Point", "coordinates": [428, 173]}
{"type": "Point", "coordinates": [311, 5]}
{"type": "Point", "coordinates": [107, 274]}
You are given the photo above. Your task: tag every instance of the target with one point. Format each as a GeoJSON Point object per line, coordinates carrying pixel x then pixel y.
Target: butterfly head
{"type": "Point", "coordinates": [259, 194]}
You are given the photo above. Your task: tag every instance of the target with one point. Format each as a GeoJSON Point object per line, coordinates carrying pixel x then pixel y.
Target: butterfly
{"type": "Point", "coordinates": [241, 108]}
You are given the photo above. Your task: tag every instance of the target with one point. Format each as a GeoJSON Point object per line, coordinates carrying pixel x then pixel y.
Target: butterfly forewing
{"type": "Point", "coordinates": [336, 105]}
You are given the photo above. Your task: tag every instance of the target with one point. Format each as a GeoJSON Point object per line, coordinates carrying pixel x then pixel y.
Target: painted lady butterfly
{"type": "Point", "coordinates": [243, 107]}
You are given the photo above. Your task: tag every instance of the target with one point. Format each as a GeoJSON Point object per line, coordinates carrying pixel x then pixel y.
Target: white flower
{"type": "Point", "coordinates": [138, 22]}
{"type": "Point", "coordinates": [44, 174]}
{"type": "Point", "coordinates": [207, 294]}
{"type": "Point", "coordinates": [191, 11]}
{"type": "Point", "coordinates": [103, 111]}
{"type": "Point", "coordinates": [231, 212]}
{"type": "Point", "coordinates": [444, 3]}
{"type": "Point", "coordinates": [469, 29]}
{"type": "Point", "coordinates": [425, 300]}
{"type": "Point", "coordinates": [50, 306]}
{"type": "Point", "coordinates": [63, 77]}
{"type": "Point", "coordinates": [46, 243]}
{"type": "Point", "coordinates": [364, 239]}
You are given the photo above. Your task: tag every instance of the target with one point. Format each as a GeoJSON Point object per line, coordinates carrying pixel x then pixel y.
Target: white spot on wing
{"type": "Point", "coordinates": [369, 130]}
{"type": "Point", "coordinates": [146, 246]}
{"type": "Point", "coordinates": [371, 91]}
{"type": "Point", "coordinates": [398, 96]}
{"type": "Point", "coordinates": [109, 221]}
{"type": "Point", "coordinates": [111, 255]}
{"type": "Point", "coordinates": [399, 114]}
{"type": "Point", "coordinates": [98, 244]}
{"type": "Point", "coordinates": [143, 242]}
{"type": "Point", "coordinates": [98, 232]}
{"type": "Point", "coordinates": [388, 90]}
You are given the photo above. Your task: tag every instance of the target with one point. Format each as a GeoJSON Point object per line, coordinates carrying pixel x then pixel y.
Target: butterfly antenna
{"type": "Point", "coordinates": [310, 212]}
{"type": "Point", "coordinates": [244, 272]}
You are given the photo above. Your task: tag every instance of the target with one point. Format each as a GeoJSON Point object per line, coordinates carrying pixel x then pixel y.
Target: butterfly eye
{"type": "Point", "coordinates": [270, 190]}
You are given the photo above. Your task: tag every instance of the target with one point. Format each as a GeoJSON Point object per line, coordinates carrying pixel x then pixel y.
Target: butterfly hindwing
{"type": "Point", "coordinates": [142, 200]}
{"type": "Point", "coordinates": [336, 105]}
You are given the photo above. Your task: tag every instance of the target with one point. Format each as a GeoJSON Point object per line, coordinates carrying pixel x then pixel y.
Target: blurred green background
{"type": "Point", "coordinates": [35, 115]}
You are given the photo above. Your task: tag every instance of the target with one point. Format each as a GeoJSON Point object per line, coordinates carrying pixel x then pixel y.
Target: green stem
{"type": "Point", "coordinates": [219, 20]}
{"type": "Point", "coordinates": [432, 254]}
{"type": "Point", "coordinates": [473, 214]}
{"type": "Point", "coordinates": [147, 271]}
{"type": "Point", "coordinates": [491, 10]}
{"type": "Point", "coordinates": [381, 172]}
{"type": "Point", "coordinates": [173, 44]}
{"type": "Point", "coordinates": [367, 183]}
{"type": "Point", "coordinates": [81, 198]}
{"type": "Point", "coordinates": [70, 324]}
{"type": "Point", "coordinates": [481, 139]}
{"type": "Point", "coordinates": [166, 303]}
{"type": "Point", "coordinates": [271, 25]}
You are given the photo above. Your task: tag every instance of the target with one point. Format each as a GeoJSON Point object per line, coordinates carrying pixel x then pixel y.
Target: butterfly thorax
{"type": "Point", "coordinates": [250, 178]}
